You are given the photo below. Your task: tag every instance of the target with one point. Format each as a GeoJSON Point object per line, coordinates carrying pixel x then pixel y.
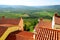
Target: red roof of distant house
{"type": "Point", "coordinates": [44, 24]}
{"type": "Point", "coordinates": [13, 21]}
{"type": "Point", "coordinates": [9, 21]}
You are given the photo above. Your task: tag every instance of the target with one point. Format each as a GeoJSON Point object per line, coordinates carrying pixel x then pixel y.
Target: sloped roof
{"type": "Point", "coordinates": [14, 21]}
{"type": "Point", "coordinates": [44, 24]}
{"type": "Point", "coordinates": [2, 30]}
{"type": "Point", "coordinates": [6, 23]}
{"type": "Point", "coordinates": [24, 34]}
{"type": "Point", "coordinates": [20, 35]}
{"type": "Point", "coordinates": [9, 21]}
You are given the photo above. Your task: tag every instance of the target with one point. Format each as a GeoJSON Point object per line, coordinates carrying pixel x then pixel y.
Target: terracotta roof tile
{"type": "Point", "coordinates": [44, 24]}
{"type": "Point", "coordinates": [9, 21]}
{"type": "Point", "coordinates": [26, 34]}
{"type": "Point", "coordinates": [2, 30]}
{"type": "Point", "coordinates": [20, 35]}
{"type": "Point", "coordinates": [23, 33]}
{"type": "Point", "coordinates": [6, 23]}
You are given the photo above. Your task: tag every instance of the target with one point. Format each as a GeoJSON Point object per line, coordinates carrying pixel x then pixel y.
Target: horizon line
{"type": "Point", "coordinates": [27, 5]}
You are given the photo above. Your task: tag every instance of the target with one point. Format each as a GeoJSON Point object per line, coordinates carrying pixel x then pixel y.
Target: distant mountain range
{"type": "Point", "coordinates": [28, 7]}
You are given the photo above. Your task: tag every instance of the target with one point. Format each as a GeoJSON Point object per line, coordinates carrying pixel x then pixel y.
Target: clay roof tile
{"type": "Point", "coordinates": [2, 30]}
{"type": "Point", "coordinates": [44, 24]}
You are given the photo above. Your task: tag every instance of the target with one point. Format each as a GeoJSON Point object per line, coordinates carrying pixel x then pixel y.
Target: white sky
{"type": "Point", "coordinates": [30, 2]}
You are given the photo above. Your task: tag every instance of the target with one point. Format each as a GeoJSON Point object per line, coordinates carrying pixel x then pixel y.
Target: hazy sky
{"type": "Point", "coordinates": [30, 2]}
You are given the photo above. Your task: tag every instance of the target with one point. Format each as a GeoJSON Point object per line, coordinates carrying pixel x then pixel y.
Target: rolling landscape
{"type": "Point", "coordinates": [29, 19]}
{"type": "Point", "coordinates": [30, 14]}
